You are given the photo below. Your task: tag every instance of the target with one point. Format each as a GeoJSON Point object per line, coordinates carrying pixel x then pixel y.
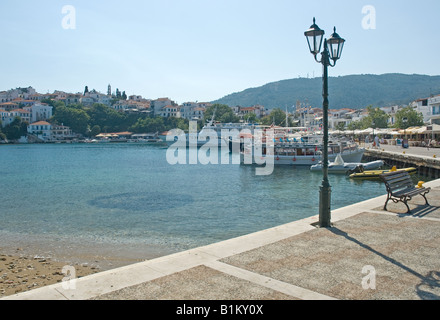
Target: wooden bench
{"type": "Point", "coordinates": [401, 188]}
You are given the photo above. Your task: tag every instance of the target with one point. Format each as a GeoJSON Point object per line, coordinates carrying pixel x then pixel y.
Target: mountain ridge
{"type": "Point", "coordinates": [355, 91]}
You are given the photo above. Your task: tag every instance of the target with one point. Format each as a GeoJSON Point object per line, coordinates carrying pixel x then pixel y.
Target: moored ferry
{"type": "Point", "coordinates": [300, 151]}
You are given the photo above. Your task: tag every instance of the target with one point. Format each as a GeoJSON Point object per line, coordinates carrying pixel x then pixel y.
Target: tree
{"type": "Point", "coordinates": [95, 130]}
{"type": "Point", "coordinates": [408, 117]}
{"type": "Point", "coordinates": [54, 104]}
{"type": "Point", "coordinates": [124, 96]}
{"type": "Point", "coordinates": [2, 135]}
{"type": "Point", "coordinates": [16, 129]}
{"type": "Point", "coordinates": [76, 119]}
{"type": "Point", "coordinates": [105, 117]}
{"type": "Point", "coordinates": [176, 123]}
{"type": "Point", "coordinates": [149, 125]}
{"type": "Point", "coordinates": [251, 118]}
{"type": "Point", "coordinates": [355, 125]}
{"type": "Point", "coordinates": [223, 114]}
{"type": "Point", "coordinates": [378, 118]}
{"type": "Point", "coordinates": [86, 90]}
{"type": "Point", "coordinates": [340, 126]}
{"type": "Point", "coordinates": [277, 117]}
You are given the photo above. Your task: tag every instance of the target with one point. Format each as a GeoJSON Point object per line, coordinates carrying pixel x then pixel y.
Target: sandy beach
{"type": "Point", "coordinates": [29, 267]}
{"type": "Point", "coordinates": [20, 273]}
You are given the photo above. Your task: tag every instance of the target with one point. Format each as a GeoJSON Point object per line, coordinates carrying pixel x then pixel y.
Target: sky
{"type": "Point", "coordinates": [203, 50]}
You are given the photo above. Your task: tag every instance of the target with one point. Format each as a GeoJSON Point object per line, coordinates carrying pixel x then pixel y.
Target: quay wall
{"type": "Point", "coordinates": [428, 167]}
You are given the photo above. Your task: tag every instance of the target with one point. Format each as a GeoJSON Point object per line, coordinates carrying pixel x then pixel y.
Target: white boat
{"type": "Point", "coordinates": [222, 133]}
{"type": "Point", "coordinates": [339, 166]}
{"type": "Point", "coordinates": [212, 134]}
{"type": "Point", "coordinates": [149, 138]}
{"type": "Point", "coordinates": [300, 151]}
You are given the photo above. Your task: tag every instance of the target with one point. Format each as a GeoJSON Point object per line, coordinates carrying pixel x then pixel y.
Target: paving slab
{"type": "Point", "coordinates": [199, 283]}
{"type": "Point", "coordinates": [403, 253]}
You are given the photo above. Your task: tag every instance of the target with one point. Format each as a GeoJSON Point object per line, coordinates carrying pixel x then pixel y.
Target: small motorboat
{"type": "Point", "coordinates": [375, 174]}
{"type": "Point", "coordinates": [339, 166]}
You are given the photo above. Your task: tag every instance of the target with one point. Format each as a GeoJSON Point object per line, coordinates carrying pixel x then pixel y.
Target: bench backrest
{"type": "Point", "coordinates": [397, 181]}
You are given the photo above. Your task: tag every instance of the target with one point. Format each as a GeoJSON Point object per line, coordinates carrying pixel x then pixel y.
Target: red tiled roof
{"type": "Point", "coordinates": [40, 123]}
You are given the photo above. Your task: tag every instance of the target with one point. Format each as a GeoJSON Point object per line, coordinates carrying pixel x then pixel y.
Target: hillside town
{"type": "Point", "coordinates": [36, 112]}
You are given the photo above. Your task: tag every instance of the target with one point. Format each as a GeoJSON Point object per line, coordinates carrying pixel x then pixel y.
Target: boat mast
{"type": "Point", "coordinates": [210, 123]}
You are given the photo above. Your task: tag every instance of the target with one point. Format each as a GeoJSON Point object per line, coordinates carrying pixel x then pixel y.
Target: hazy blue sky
{"type": "Point", "coordinates": [202, 50]}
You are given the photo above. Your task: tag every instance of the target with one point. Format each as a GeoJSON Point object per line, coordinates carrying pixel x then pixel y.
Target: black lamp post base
{"type": "Point", "coordinates": [324, 206]}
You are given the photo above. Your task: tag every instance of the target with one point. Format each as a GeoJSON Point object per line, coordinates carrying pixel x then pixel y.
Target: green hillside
{"type": "Point", "coordinates": [353, 91]}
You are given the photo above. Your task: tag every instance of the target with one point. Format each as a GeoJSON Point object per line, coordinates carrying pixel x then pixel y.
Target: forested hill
{"type": "Point", "coordinates": [353, 91]}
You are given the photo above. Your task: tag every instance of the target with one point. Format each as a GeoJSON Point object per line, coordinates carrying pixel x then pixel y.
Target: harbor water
{"type": "Point", "coordinates": [125, 197]}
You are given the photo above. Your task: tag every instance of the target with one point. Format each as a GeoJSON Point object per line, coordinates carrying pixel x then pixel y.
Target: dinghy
{"type": "Point", "coordinates": [339, 166]}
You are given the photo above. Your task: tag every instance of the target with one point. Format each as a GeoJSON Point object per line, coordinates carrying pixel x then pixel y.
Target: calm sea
{"type": "Point", "coordinates": [127, 196]}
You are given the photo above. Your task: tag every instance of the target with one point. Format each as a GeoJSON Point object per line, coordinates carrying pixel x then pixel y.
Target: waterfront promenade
{"type": "Point", "coordinates": [422, 152]}
{"type": "Point", "coordinates": [368, 254]}
{"type": "Point", "coordinates": [427, 160]}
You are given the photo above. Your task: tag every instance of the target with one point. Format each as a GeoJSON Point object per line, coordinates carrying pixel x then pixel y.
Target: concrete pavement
{"type": "Point", "coordinates": [421, 152]}
{"type": "Point", "coordinates": [368, 254]}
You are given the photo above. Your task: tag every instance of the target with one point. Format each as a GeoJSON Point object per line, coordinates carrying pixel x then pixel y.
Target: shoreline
{"type": "Point", "coordinates": [31, 266]}
{"type": "Point", "coordinates": [20, 272]}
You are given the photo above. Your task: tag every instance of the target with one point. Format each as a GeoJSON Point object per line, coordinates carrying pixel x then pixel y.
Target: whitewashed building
{"type": "Point", "coordinates": [309, 117]}
{"type": "Point", "coordinates": [41, 129]}
{"type": "Point", "coordinates": [430, 108]}
{"type": "Point", "coordinates": [170, 111]}
{"type": "Point", "coordinates": [4, 115]}
{"type": "Point", "coordinates": [61, 132]}
{"type": "Point", "coordinates": [131, 106]}
{"type": "Point", "coordinates": [339, 116]}
{"type": "Point", "coordinates": [7, 117]}
{"type": "Point", "coordinates": [40, 112]}
{"type": "Point", "coordinates": [244, 112]}
{"type": "Point", "coordinates": [93, 97]}
{"type": "Point", "coordinates": [391, 111]}
{"type": "Point", "coordinates": [87, 101]}
{"type": "Point", "coordinates": [25, 115]}
{"type": "Point", "coordinates": [18, 93]}
{"type": "Point", "coordinates": [158, 105]}
{"type": "Point", "coordinates": [8, 106]}
{"type": "Point", "coordinates": [193, 110]}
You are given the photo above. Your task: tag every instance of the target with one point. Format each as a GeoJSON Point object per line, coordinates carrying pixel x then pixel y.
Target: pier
{"type": "Point", "coordinates": [427, 160]}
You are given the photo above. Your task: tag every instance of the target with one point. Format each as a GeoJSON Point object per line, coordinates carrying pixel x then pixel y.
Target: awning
{"type": "Point", "coordinates": [367, 131]}
{"type": "Point", "coordinates": [410, 130]}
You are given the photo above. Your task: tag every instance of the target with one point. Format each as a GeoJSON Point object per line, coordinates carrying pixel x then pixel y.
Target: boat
{"type": "Point", "coordinates": [375, 174]}
{"type": "Point", "coordinates": [299, 150]}
{"type": "Point", "coordinates": [339, 166]}
{"type": "Point", "coordinates": [213, 134]}
{"type": "Point", "coordinates": [195, 139]}
{"type": "Point", "coordinates": [149, 138]}
{"type": "Point", "coordinates": [222, 133]}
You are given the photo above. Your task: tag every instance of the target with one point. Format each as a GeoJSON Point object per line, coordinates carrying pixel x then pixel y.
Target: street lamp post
{"type": "Point", "coordinates": [331, 52]}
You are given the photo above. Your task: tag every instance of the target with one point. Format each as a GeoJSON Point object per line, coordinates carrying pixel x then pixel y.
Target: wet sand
{"type": "Point", "coordinates": [28, 268]}
{"type": "Point", "coordinates": [20, 273]}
